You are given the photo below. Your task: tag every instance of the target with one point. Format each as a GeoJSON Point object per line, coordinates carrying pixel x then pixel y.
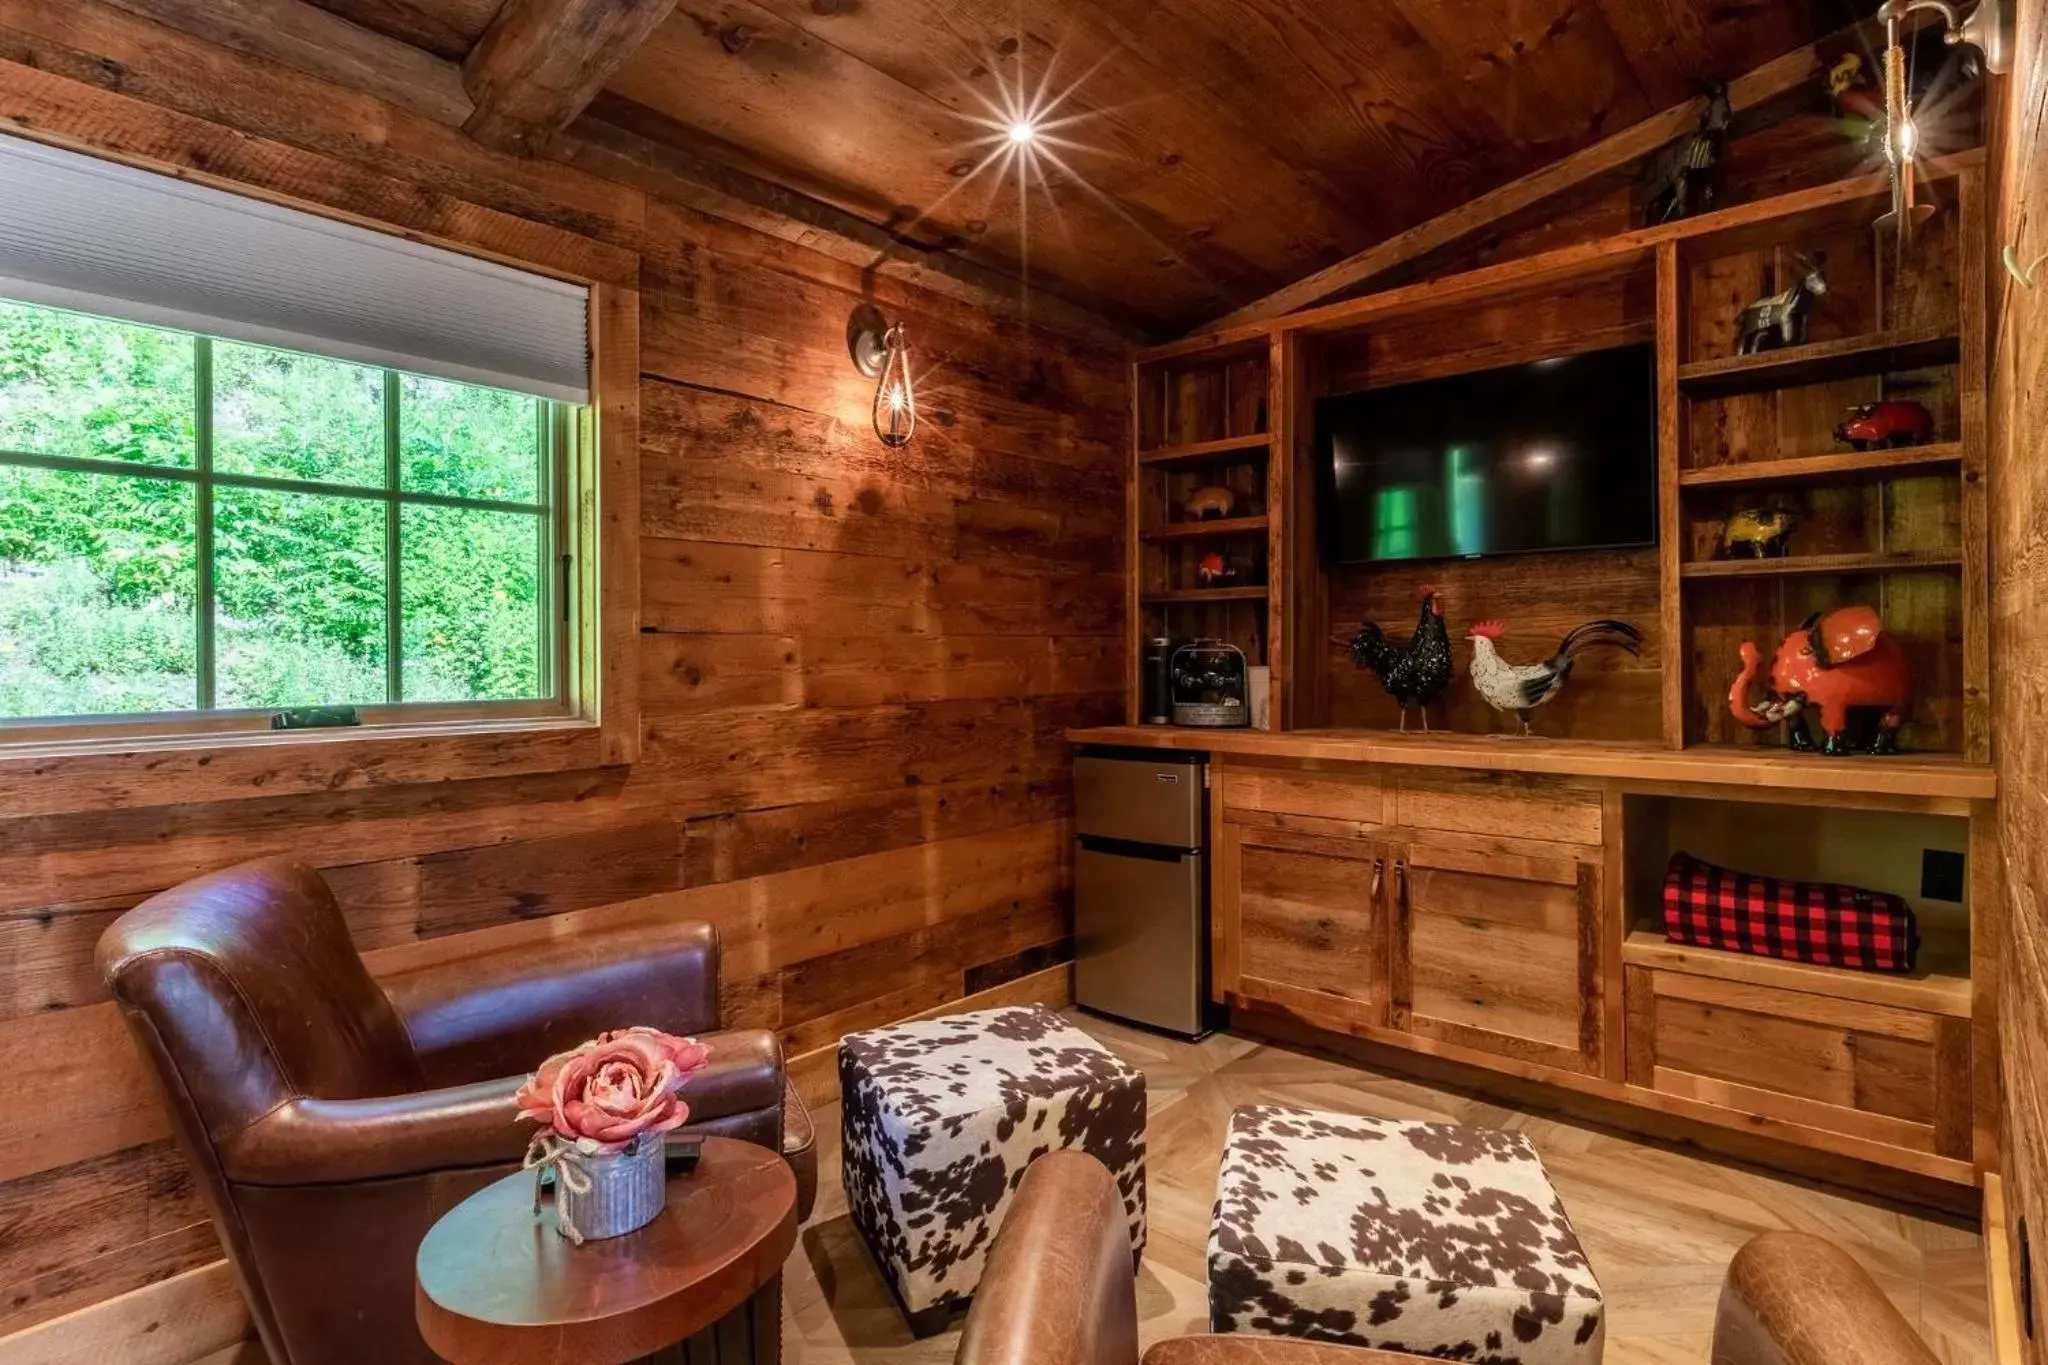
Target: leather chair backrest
{"type": "Point", "coordinates": [247, 991]}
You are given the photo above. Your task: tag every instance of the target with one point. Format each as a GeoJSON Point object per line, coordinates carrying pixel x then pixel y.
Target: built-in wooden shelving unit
{"type": "Point", "coordinates": [1900, 528]}
{"type": "Point", "coordinates": [1639, 758]}
{"type": "Point", "coordinates": [1201, 424]}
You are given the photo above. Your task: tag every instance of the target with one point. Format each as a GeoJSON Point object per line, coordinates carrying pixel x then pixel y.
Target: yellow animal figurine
{"type": "Point", "coordinates": [1757, 533]}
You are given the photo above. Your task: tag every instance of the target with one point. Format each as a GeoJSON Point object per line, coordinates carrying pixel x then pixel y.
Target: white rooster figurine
{"type": "Point", "coordinates": [1521, 688]}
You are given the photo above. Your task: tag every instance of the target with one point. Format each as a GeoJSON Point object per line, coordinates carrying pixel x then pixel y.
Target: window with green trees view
{"type": "Point", "coordinates": [190, 524]}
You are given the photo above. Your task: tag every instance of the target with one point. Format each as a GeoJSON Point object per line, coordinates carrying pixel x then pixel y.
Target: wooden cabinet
{"type": "Point", "coordinates": [1898, 1078]}
{"type": "Point", "coordinates": [1498, 952]}
{"type": "Point", "coordinates": [1483, 918]}
{"type": "Point", "coordinates": [1302, 923]}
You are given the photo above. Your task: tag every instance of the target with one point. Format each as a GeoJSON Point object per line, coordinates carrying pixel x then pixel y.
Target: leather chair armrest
{"type": "Point", "coordinates": [317, 1142]}
{"type": "Point", "coordinates": [1794, 1299]}
{"type": "Point", "coordinates": [1059, 1287]}
{"type": "Point", "coordinates": [1247, 1348]}
{"type": "Point", "coordinates": [325, 1142]}
{"type": "Point", "coordinates": [501, 1011]}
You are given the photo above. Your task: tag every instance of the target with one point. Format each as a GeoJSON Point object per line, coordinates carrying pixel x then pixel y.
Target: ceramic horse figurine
{"type": "Point", "coordinates": [1780, 319]}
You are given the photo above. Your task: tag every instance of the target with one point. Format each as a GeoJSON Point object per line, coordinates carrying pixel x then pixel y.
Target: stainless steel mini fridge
{"type": "Point", "coordinates": [1141, 921]}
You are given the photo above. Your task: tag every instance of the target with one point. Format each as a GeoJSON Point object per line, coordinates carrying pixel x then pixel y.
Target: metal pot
{"type": "Point", "coordinates": [625, 1191]}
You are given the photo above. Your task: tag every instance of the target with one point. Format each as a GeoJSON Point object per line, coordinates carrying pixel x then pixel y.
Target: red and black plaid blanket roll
{"type": "Point", "coordinates": [1819, 922]}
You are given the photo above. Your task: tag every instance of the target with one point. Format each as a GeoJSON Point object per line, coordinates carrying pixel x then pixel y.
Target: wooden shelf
{"type": "Point", "coordinates": [1939, 985]}
{"type": "Point", "coordinates": [1922, 776]}
{"type": "Point", "coordinates": [1820, 361]}
{"type": "Point", "coordinates": [1205, 530]}
{"type": "Point", "coordinates": [1795, 565]}
{"type": "Point", "coordinates": [1191, 596]}
{"type": "Point", "coordinates": [1199, 452]}
{"type": "Point", "coordinates": [1845, 464]}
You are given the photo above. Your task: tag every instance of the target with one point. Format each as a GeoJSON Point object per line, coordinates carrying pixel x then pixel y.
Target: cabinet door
{"type": "Point", "coordinates": [1498, 952]}
{"type": "Point", "coordinates": [1302, 924]}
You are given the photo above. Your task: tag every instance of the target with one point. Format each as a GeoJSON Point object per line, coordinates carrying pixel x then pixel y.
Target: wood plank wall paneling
{"type": "Point", "coordinates": [2019, 629]}
{"type": "Point", "coordinates": [856, 665]}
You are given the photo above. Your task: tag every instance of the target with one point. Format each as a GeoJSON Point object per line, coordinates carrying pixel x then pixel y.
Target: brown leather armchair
{"type": "Point", "coordinates": [330, 1118]}
{"type": "Point", "coordinates": [1058, 1290]}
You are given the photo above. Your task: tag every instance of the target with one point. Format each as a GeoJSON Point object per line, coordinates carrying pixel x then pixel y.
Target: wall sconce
{"type": "Point", "coordinates": [881, 351]}
{"type": "Point", "coordinates": [1985, 27]}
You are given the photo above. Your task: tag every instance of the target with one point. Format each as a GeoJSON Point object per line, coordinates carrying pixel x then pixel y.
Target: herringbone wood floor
{"type": "Point", "coordinates": [1658, 1225]}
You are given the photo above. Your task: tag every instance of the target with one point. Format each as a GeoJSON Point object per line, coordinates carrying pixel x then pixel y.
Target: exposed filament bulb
{"type": "Point", "coordinates": [895, 399]}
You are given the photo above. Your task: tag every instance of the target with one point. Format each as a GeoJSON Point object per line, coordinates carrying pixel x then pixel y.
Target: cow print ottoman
{"type": "Point", "coordinates": [940, 1119]}
{"type": "Point", "coordinates": [1430, 1238]}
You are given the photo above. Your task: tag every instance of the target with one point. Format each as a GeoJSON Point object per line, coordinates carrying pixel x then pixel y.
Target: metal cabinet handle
{"type": "Point", "coordinates": [1401, 880]}
{"type": "Point", "coordinates": [1379, 876]}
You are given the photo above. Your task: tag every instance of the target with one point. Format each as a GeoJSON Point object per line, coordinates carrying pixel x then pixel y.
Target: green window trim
{"type": "Point", "coordinates": [558, 430]}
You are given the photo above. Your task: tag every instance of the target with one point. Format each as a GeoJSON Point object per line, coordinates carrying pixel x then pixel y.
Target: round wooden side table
{"type": "Point", "coordinates": [496, 1284]}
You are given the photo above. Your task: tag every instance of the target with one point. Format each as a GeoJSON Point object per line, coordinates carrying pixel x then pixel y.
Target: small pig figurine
{"type": "Point", "coordinates": [1208, 504]}
{"type": "Point", "coordinates": [1757, 533]}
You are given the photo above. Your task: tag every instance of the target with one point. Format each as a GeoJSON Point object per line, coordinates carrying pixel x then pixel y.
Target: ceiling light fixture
{"type": "Point", "coordinates": [1023, 133]}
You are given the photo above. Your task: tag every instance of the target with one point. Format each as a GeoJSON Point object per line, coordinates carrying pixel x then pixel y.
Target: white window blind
{"type": "Point", "coordinates": [90, 235]}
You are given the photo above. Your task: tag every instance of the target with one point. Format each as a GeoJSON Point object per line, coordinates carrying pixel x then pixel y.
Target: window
{"type": "Point", "coordinates": [195, 525]}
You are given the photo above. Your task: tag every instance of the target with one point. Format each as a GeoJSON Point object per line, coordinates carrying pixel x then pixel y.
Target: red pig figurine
{"type": "Point", "coordinates": [1894, 422]}
{"type": "Point", "coordinates": [1841, 662]}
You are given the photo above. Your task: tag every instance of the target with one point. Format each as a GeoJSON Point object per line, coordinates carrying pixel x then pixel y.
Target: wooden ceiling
{"type": "Point", "coordinates": [1219, 148]}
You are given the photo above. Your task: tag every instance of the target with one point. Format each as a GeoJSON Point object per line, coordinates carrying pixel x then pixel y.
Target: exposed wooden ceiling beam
{"type": "Point", "coordinates": [306, 38]}
{"type": "Point", "coordinates": [1611, 156]}
{"type": "Point", "coordinates": [541, 63]}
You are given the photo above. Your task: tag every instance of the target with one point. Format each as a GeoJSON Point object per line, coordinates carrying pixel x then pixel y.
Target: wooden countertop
{"type": "Point", "coordinates": [1930, 775]}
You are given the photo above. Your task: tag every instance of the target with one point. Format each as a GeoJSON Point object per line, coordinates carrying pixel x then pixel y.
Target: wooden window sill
{"type": "Point", "coordinates": [126, 771]}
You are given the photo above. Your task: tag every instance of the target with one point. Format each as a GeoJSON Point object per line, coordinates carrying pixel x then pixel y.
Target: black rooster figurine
{"type": "Point", "coordinates": [1416, 671]}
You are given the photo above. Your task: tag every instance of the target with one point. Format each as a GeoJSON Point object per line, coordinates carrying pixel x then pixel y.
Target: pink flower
{"type": "Point", "coordinates": [610, 1090]}
{"type": "Point", "coordinates": [688, 1055]}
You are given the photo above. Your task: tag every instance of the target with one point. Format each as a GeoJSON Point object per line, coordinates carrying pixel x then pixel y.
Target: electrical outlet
{"type": "Point", "coordinates": [1941, 875]}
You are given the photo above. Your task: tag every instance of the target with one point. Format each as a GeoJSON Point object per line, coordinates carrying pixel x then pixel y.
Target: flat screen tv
{"type": "Point", "coordinates": [1556, 455]}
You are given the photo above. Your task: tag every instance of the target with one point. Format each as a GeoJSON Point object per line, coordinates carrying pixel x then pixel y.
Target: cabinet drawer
{"type": "Point", "coordinates": [1302, 797]}
{"type": "Point", "coordinates": [1507, 805]}
{"type": "Point", "coordinates": [1893, 1076]}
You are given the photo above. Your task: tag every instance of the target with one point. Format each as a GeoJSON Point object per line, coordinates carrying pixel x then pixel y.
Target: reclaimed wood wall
{"type": "Point", "coordinates": [856, 665]}
{"type": "Point", "coordinates": [2019, 641]}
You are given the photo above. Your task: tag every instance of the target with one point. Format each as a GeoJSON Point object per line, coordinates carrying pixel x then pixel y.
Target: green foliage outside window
{"type": "Point", "coordinates": [292, 478]}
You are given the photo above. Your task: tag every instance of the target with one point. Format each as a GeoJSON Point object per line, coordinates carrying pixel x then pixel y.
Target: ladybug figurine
{"type": "Point", "coordinates": [1894, 422]}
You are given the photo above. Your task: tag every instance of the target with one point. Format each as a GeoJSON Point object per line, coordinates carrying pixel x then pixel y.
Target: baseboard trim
{"type": "Point", "coordinates": [1999, 1283]}
{"type": "Point", "coordinates": [171, 1322]}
